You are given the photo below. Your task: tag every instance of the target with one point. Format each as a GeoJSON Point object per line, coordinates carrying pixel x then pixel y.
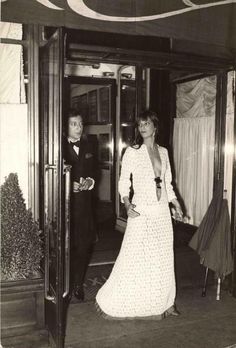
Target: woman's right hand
{"type": "Point", "coordinates": [130, 210]}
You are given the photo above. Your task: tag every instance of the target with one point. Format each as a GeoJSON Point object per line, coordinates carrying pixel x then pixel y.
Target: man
{"type": "Point", "coordinates": [78, 153]}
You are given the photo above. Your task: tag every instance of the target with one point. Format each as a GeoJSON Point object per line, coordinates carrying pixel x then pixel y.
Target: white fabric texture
{"type": "Point", "coordinates": [193, 143]}
{"type": "Point", "coordinates": [194, 163]}
{"type": "Point", "coordinates": [142, 282]}
{"type": "Point", "coordinates": [196, 98]}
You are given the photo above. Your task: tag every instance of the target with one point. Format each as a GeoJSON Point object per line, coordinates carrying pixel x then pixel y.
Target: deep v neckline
{"type": "Point", "coordinates": [150, 161]}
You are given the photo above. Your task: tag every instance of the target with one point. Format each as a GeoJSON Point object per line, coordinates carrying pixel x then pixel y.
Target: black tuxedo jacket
{"type": "Point", "coordinates": [82, 212]}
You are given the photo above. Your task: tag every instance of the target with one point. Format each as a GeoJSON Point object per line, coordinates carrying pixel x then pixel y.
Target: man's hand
{"type": "Point", "coordinates": [76, 186]}
{"type": "Point", "coordinates": [83, 185]}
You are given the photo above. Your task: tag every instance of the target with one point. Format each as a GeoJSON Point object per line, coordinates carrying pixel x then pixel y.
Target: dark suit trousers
{"type": "Point", "coordinates": [82, 237]}
{"type": "Point", "coordinates": [80, 260]}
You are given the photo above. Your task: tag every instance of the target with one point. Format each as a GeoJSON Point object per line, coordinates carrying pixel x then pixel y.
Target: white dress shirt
{"type": "Point", "coordinates": [76, 149]}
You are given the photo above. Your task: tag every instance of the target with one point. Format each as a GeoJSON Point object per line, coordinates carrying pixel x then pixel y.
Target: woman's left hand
{"type": "Point", "coordinates": [177, 211]}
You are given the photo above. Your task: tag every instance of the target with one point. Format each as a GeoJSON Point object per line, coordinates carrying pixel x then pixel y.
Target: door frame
{"type": "Point", "coordinates": [148, 59]}
{"type": "Point", "coordinates": [70, 79]}
{"type": "Point", "coordinates": [233, 211]}
{"type": "Point", "coordinates": [54, 218]}
{"type": "Point", "coordinates": [197, 64]}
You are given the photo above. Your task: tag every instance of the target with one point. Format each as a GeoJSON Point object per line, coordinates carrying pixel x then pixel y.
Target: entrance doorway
{"type": "Point", "coordinates": [105, 95]}
{"type": "Point", "coordinates": [111, 102]}
{"type": "Point", "coordinates": [95, 99]}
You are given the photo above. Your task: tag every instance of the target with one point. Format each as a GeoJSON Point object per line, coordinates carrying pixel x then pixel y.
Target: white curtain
{"type": "Point", "coordinates": [11, 30]}
{"type": "Point", "coordinates": [193, 142]}
{"type": "Point", "coordinates": [229, 138]}
{"type": "Point", "coordinates": [12, 88]}
{"type": "Point", "coordinates": [13, 109]}
{"type": "Point", "coordinates": [14, 144]}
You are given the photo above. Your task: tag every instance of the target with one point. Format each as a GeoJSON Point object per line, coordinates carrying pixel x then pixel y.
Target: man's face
{"type": "Point", "coordinates": [75, 127]}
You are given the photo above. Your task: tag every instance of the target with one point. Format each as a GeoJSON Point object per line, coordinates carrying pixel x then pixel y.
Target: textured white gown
{"type": "Point", "coordinates": [142, 282]}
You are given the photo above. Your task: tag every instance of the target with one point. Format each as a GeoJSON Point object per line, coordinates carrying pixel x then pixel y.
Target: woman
{"type": "Point", "coordinates": [142, 282]}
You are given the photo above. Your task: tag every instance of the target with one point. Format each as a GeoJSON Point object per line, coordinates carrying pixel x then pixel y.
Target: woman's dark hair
{"type": "Point", "coordinates": [144, 116]}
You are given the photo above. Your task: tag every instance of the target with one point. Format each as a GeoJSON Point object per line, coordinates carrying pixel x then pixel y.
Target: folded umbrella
{"type": "Point", "coordinates": [212, 239]}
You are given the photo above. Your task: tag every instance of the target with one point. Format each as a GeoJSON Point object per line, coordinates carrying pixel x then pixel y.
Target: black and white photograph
{"type": "Point", "coordinates": [118, 173]}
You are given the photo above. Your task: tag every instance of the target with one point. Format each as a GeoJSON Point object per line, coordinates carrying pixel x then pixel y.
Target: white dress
{"type": "Point", "coordinates": [142, 282]}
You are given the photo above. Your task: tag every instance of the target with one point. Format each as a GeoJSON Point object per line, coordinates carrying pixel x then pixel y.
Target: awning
{"type": "Point", "coordinates": [199, 21]}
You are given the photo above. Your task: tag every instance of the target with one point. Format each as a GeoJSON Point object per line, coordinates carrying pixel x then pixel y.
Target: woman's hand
{"type": "Point", "coordinates": [176, 210]}
{"type": "Point", "coordinates": [130, 210]}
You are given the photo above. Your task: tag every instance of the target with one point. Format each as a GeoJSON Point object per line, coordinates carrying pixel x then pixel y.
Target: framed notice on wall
{"type": "Point", "coordinates": [80, 104]}
{"type": "Point", "coordinates": [104, 149]}
{"type": "Point", "coordinates": [104, 103]}
{"type": "Point", "coordinates": [92, 106]}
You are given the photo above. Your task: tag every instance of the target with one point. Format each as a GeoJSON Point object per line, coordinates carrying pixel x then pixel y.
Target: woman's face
{"type": "Point", "coordinates": [146, 128]}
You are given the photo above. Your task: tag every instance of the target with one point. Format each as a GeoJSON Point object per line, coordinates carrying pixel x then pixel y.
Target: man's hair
{"type": "Point", "coordinates": [74, 113]}
{"type": "Point", "coordinates": [68, 115]}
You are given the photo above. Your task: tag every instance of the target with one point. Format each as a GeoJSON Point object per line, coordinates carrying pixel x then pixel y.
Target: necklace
{"type": "Point", "coordinates": [158, 182]}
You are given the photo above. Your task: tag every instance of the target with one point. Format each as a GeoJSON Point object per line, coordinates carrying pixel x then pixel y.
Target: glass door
{"type": "Point", "coordinates": [55, 189]}
{"type": "Point", "coordinates": [94, 99]}
{"type": "Point", "coordinates": [132, 86]}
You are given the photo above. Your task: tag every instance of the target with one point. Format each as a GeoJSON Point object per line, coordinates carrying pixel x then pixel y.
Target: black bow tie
{"type": "Point", "coordinates": [76, 143]}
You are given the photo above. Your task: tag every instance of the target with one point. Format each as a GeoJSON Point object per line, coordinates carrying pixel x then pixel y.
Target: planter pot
{"type": "Point", "coordinates": [22, 307]}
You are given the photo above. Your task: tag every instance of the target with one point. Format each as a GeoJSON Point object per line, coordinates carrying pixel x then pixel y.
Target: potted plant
{"type": "Point", "coordinates": [21, 253]}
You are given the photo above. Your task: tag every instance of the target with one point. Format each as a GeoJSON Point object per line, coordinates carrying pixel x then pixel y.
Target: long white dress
{"type": "Point", "coordinates": [142, 282]}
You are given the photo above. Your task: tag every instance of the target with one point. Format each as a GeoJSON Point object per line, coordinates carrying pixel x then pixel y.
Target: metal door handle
{"type": "Point", "coordinates": [67, 171]}
{"type": "Point", "coordinates": [47, 237]}
{"type": "Point", "coordinates": [50, 166]}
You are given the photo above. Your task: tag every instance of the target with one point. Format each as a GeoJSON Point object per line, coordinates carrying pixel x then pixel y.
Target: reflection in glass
{"type": "Point", "coordinates": [104, 148]}
{"type": "Point", "coordinates": [127, 93]}
{"type": "Point", "coordinates": [127, 103]}
{"type": "Point", "coordinates": [92, 102]}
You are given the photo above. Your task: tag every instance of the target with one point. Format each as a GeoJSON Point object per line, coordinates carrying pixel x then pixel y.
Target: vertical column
{"type": "Point", "coordinates": [221, 100]}
{"type": "Point", "coordinates": [233, 211]}
{"type": "Point", "coordinates": [139, 83]}
{"type": "Point", "coordinates": [33, 119]}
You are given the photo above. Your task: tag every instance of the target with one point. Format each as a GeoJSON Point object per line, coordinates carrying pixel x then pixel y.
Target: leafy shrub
{"type": "Point", "coordinates": [21, 249]}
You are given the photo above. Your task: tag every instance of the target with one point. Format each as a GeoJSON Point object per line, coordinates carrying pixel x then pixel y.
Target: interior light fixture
{"type": "Point", "coordinates": [108, 74]}
{"type": "Point", "coordinates": [126, 75]}
{"type": "Point", "coordinates": [84, 63]}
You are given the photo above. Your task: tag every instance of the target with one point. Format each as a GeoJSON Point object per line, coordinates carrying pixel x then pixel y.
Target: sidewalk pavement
{"type": "Point", "coordinates": [203, 323]}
